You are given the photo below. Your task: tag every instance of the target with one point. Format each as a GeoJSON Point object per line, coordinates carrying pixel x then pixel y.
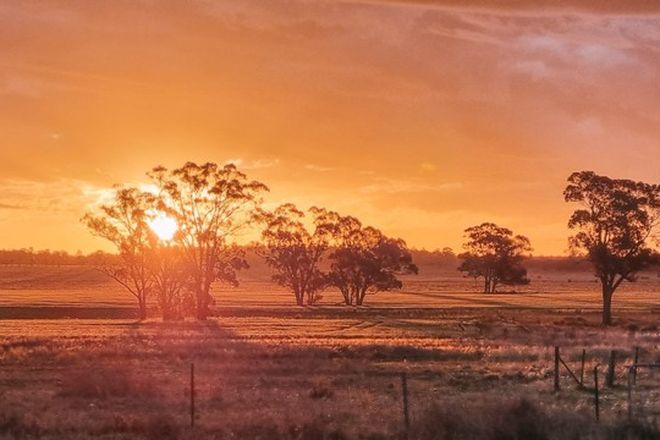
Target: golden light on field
{"type": "Point", "coordinates": [163, 226]}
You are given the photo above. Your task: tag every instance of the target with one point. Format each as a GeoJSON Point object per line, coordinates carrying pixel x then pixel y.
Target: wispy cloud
{"type": "Point", "coordinates": [10, 206]}
{"type": "Point", "coordinates": [630, 7]}
{"type": "Point", "coordinates": [318, 168]}
{"type": "Point", "coordinates": [254, 164]}
{"type": "Point", "coordinates": [393, 186]}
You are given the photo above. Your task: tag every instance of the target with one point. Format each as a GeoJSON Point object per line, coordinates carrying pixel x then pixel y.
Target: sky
{"type": "Point", "coordinates": [421, 118]}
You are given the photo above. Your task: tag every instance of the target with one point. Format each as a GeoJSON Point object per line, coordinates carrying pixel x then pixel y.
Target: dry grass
{"type": "Point", "coordinates": [274, 371]}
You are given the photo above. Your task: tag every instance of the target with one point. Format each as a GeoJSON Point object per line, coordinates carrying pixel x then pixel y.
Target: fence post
{"type": "Point", "coordinates": [584, 352]}
{"type": "Point", "coordinates": [406, 414]}
{"type": "Point", "coordinates": [635, 362]}
{"type": "Point", "coordinates": [556, 368]}
{"type": "Point", "coordinates": [630, 409]}
{"type": "Point", "coordinates": [192, 395]}
{"type": "Point", "coordinates": [611, 370]}
{"type": "Point", "coordinates": [596, 402]}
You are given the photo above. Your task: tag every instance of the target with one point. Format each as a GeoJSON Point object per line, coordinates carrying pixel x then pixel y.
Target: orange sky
{"type": "Point", "coordinates": [421, 118]}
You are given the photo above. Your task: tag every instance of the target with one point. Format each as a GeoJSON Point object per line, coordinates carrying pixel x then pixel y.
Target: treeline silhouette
{"type": "Point", "coordinates": [428, 261]}
{"type": "Point", "coordinates": [48, 257]}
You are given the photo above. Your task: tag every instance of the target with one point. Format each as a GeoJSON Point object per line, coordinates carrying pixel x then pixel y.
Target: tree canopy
{"type": "Point", "coordinates": [616, 228]}
{"type": "Point", "coordinates": [211, 205]}
{"type": "Point", "coordinates": [123, 222]}
{"type": "Point", "coordinates": [496, 254]}
{"type": "Point", "coordinates": [294, 252]}
{"type": "Point", "coordinates": [363, 259]}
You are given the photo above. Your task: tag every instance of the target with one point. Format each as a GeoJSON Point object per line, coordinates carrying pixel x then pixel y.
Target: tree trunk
{"type": "Point", "coordinates": [142, 312]}
{"type": "Point", "coordinates": [607, 304]}
{"type": "Point", "coordinates": [486, 285]}
{"type": "Point", "coordinates": [202, 309]}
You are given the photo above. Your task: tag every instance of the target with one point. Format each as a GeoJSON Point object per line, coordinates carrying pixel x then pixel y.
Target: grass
{"type": "Point", "coordinates": [475, 368]}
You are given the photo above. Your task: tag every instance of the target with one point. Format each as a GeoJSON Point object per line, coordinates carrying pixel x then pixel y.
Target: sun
{"type": "Point", "coordinates": [163, 226]}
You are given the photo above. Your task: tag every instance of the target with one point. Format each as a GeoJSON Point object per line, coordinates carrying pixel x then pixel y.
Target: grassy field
{"type": "Point", "coordinates": [478, 366]}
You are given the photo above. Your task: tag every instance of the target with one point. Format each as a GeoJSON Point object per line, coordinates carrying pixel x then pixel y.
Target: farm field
{"type": "Point", "coordinates": [266, 369]}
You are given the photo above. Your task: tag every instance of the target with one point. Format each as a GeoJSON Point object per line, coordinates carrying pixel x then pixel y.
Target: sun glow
{"type": "Point", "coordinates": [163, 226]}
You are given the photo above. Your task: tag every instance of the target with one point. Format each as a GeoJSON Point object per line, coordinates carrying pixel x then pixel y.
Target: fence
{"type": "Point", "coordinates": [640, 391]}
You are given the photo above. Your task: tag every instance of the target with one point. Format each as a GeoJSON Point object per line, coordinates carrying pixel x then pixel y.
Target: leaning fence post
{"type": "Point", "coordinates": [635, 362]}
{"type": "Point", "coordinates": [192, 395]}
{"type": "Point", "coordinates": [406, 414]}
{"type": "Point", "coordinates": [596, 403]}
{"type": "Point", "coordinates": [611, 370]}
{"type": "Point", "coordinates": [556, 368]}
{"type": "Point", "coordinates": [584, 352]}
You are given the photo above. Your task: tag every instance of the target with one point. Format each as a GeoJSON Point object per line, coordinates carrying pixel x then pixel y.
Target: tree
{"type": "Point", "coordinates": [615, 225]}
{"type": "Point", "coordinates": [124, 224]}
{"type": "Point", "coordinates": [211, 204]}
{"type": "Point", "coordinates": [494, 253]}
{"type": "Point", "coordinates": [364, 260]}
{"type": "Point", "coordinates": [171, 279]}
{"type": "Point", "coordinates": [294, 252]}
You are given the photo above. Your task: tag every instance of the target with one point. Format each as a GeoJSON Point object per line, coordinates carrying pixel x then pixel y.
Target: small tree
{"type": "Point", "coordinates": [295, 253]}
{"type": "Point", "coordinates": [364, 260]}
{"type": "Point", "coordinates": [171, 279]}
{"type": "Point", "coordinates": [124, 224]}
{"type": "Point", "coordinates": [211, 204]}
{"type": "Point", "coordinates": [494, 253]}
{"type": "Point", "coordinates": [615, 227]}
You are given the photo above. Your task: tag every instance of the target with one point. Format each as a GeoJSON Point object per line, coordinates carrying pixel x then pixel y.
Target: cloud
{"type": "Point", "coordinates": [318, 168]}
{"type": "Point", "coordinates": [254, 164]}
{"type": "Point", "coordinates": [428, 167]}
{"type": "Point", "coordinates": [593, 53]}
{"type": "Point", "coordinates": [10, 206]}
{"type": "Point", "coordinates": [528, 7]}
{"type": "Point", "coordinates": [58, 196]}
{"type": "Point", "coordinates": [393, 186]}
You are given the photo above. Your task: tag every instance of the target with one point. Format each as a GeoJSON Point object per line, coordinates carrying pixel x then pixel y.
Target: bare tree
{"type": "Point", "coordinates": [496, 254]}
{"type": "Point", "coordinates": [364, 260]}
{"type": "Point", "coordinates": [211, 205]}
{"type": "Point", "coordinates": [124, 224]}
{"type": "Point", "coordinates": [615, 224]}
{"type": "Point", "coordinates": [294, 252]}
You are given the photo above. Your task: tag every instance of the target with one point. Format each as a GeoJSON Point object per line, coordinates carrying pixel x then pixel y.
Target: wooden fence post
{"type": "Point", "coordinates": [596, 402]}
{"type": "Point", "coordinates": [611, 370]}
{"type": "Point", "coordinates": [406, 414]}
{"type": "Point", "coordinates": [584, 352]}
{"type": "Point", "coordinates": [630, 378]}
{"type": "Point", "coordinates": [192, 395]}
{"type": "Point", "coordinates": [556, 368]}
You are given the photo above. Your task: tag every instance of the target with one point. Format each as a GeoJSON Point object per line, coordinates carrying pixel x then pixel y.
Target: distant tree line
{"type": "Point", "coordinates": [47, 257]}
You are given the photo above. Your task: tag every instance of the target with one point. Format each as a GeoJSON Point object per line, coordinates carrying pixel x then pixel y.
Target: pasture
{"type": "Point", "coordinates": [267, 369]}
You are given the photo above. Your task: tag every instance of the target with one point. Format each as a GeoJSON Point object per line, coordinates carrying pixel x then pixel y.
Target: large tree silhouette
{"type": "Point", "coordinates": [211, 205]}
{"type": "Point", "coordinates": [615, 225]}
{"type": "Point", "coordinates": [294, 252]}
{"type": "Point", "coordinates": [123, 222]}
{"type": "Point", "coordinates": [363, 259]}
{"type": "Point", "coordinates": [496, 254]}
